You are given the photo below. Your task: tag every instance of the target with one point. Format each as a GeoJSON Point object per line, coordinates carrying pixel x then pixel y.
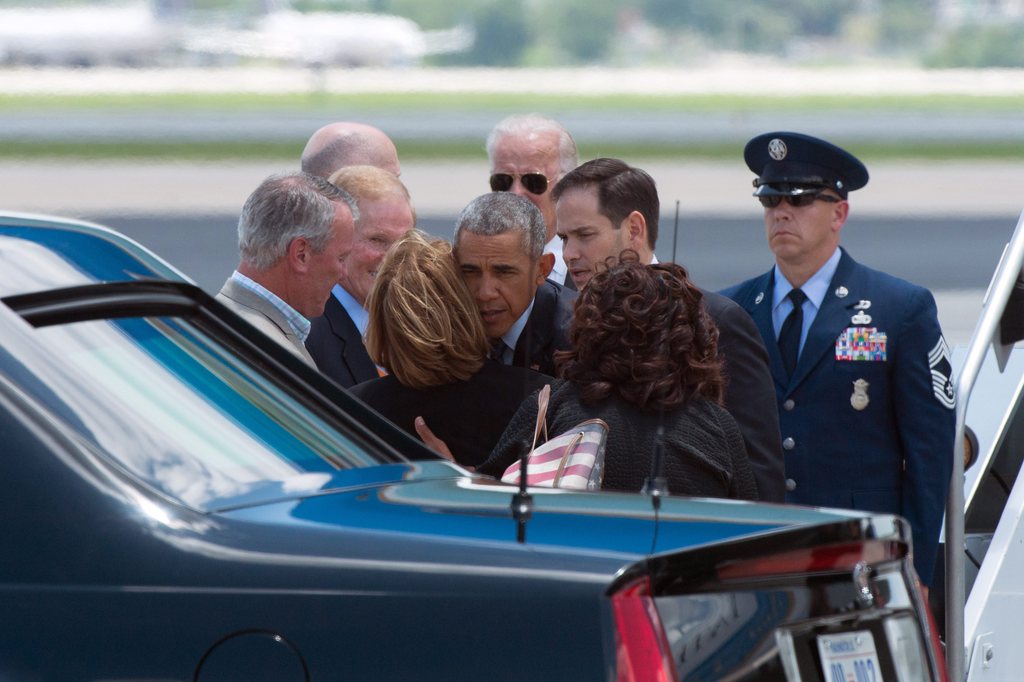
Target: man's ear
{"type": "Point", "coordinates": [840, 212]}
{"type": "Point", "coordinates": [636, 235]}
{"type": "Point", "coordinates": [299, 253]}
{"type": "Point", "coordinates": [545, 264]}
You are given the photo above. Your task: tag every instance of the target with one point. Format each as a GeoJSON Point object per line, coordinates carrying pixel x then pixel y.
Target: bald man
{"type": "Point", "coordinates": [345, 143]}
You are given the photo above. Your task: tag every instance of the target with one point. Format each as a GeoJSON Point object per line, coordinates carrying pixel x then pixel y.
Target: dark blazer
{"type": "Point", "coordinates": [749, 393]}
{"type": "Point", "coordinates": [703, 449]}
{"type": "Point", "coordinates": [885, 445]}
{"type": "Point", "coordinates": [337, 347]}
{"type": "Point", "coordinates": [469, 416]}
{"type": "Point", "coordinates": [547, 329]}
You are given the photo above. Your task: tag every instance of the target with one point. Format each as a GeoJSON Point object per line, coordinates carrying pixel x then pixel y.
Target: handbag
{"type": "Point", "coordinates": [572, 460]}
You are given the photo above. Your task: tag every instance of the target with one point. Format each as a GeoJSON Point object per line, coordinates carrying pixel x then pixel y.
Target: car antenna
{"type": "Point", "coordinates": [522, 501]}
{"type": "Point", "coordinates": [656, 484]}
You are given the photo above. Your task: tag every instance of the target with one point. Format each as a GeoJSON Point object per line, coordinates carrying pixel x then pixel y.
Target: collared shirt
{"type": "Point", "coordinates": [560, 270]}
{"type": "Point", "coordinates": [511, 337]}
{"type": "Point", "coordinates": [299, 324]}
{"type": "Point", "coordinates": [360, 316]}
{"type": "Point", "coordinates": [815, 288]}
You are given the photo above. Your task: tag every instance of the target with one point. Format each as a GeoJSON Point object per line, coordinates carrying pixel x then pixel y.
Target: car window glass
{"type": "Point", "coordinates": [171, 405]}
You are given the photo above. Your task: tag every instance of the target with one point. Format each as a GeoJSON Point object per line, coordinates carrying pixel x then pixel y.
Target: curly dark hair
{"type": "Point", "coordinates": [641, 332]}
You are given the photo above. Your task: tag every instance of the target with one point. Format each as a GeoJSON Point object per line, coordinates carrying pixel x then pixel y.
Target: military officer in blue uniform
{"type": "Point", "coordinates": [862, 373]}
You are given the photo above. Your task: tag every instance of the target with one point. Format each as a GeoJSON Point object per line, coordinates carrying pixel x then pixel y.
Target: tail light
{"type": "Point", "coordinates": [819, 559]}
{"type": "Point", "coordinates": [641, 650]}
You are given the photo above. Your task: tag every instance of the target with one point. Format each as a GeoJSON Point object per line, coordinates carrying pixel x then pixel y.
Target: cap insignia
{"type": "Point", "coordinates": [777, 149]}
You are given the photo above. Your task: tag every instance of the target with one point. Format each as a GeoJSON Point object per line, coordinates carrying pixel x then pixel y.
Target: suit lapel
{"type": "Point", "coordinates": [338, 321]}
{"type": "Point", "coordinates": [353, 352]}
{"type": "Point", "coordinates": [536, 334]}
{"type": "Point", "coordinates": [250, 299]}
{"type": "Point", "coordinates": [758, 303]}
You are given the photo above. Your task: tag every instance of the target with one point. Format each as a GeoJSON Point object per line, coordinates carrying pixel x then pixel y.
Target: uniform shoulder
{"type": "Point", "coordinates": [884, 280]}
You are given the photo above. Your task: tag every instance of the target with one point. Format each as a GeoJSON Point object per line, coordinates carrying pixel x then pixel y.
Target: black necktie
{"type": "Point", "coordinates": [570, 283]}
{"type": "Point", "coordinates": [498, 351]}
{"type": "Point", "coordinates": [789, 335]}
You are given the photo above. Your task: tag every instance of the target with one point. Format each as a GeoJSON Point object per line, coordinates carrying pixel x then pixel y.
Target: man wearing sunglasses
{"type": "Point", "coordinates": [862, 372]}
{"type": "Point", "coordinates": [528, 154]}
{"type": "Point", "coordinates": [605, 206]}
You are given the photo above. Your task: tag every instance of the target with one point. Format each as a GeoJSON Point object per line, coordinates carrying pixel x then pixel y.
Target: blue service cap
{"type": "Point", "coordinates": [792, 163]}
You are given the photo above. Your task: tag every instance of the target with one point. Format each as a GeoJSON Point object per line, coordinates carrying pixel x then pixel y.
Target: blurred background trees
{"type": "Point", "coordinates": [933, 33]}
{"type": "Point", "coordinates": [937, 33]}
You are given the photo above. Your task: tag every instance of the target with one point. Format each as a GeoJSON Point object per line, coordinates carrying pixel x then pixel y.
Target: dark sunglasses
{"type": "Point", "coordinates": [796, 200]}
{"type": "Point", "coordinates": [535, 183]}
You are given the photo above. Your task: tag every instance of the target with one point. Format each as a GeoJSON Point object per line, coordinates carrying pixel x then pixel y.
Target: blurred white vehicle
{"type": "Point", "coordinates": [84, 35]}
{"type": "Point", "coordinates": [329, 38]}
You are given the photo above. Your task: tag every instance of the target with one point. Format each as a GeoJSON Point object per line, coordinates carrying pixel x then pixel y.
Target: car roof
{"type": "Point", "coordinates": [38, 253]}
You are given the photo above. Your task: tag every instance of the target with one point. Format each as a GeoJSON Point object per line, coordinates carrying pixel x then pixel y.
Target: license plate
{"type": "Point", "coordinates": [849, 657]}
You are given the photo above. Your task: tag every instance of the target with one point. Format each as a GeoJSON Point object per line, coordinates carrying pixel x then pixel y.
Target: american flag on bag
{"type": "Point", "coordinates": [572, 460]}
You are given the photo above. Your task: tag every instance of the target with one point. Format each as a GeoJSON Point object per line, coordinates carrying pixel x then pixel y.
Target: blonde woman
{"type": "Point", "coordinates": [426, 329]}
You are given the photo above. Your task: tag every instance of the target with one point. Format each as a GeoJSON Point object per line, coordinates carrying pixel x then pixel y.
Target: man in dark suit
{"type": "Point", "coordinates": [606, 206]}
{"type": "Point", "coordinates": [294, 233]}
{"type": "Point", "coordinates": [385, 214]}
{"type": "Point", "coordinates": [528, 153]}
{"type": "Point", "coordinates": [862, 372]}
{"type": "Point", "coordinates": [499, 242]}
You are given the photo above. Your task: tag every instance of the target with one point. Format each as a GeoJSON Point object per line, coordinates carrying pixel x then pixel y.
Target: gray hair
{"type": "Point", "coordinates": [500, 212]}
{"type": "Point", "coordinates": [283, 208]}
{"type": "Point", "coordinates": [526, 124]}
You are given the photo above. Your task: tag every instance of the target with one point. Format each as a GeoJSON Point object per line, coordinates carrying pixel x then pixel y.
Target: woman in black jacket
{"type": "Point", "coordinates": [645, 360]}
{"type": "Point", "coordinates": [426, 330]}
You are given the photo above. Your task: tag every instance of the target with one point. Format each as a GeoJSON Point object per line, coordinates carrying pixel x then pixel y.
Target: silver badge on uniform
{"type": "Point", "coordinates": [860, 319]}
{"type": "Point", "coordinates": [842, 292]}
{"type": "Point", "coordinates": [942, 373]}
{"type": "Point", "coordinates": [859, 399]}
{"type": "Point", "coordinates": [862, 305]}
{"type": "Point", "coordinates": [777, 149]}
{"type": "Point", "coordinates": [760, 297]}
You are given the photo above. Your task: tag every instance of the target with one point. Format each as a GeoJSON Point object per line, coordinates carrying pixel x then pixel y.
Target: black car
{"type": "Point", "coordinates": [184, 499]}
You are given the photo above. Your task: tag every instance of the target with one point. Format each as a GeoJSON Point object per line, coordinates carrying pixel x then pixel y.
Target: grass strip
{"type": "Point", "coordinates": [504, 102]}
{"type": "Point", "coordinates": [288, 150]}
